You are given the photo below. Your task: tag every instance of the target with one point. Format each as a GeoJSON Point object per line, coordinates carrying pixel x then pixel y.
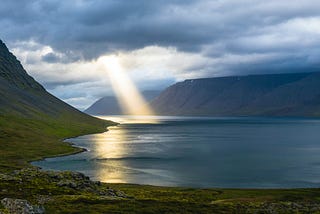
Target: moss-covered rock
{"type": "Point", "coordinates": [19, 206]}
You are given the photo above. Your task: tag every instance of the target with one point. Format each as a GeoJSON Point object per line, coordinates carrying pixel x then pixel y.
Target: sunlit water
{"type": "Point", "coordinates": [200, 152]}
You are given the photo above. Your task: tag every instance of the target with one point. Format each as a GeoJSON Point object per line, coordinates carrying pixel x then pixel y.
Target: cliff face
{"type": "Point", "coordinates": [265, 95]}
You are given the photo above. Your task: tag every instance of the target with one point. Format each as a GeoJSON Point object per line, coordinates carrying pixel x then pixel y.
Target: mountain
{"type": "Point", "coordinates": [21, 95]}
{"type": "Point", "coordinates": [32, 121]}
{"type": "Point", "coordinates": [109, 105]}
{"type": "Point", "coordinates": [296, 94]}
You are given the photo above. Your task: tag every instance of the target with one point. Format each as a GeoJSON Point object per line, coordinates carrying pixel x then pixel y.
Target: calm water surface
{"type": "Point", "coordinates": [200, 152]}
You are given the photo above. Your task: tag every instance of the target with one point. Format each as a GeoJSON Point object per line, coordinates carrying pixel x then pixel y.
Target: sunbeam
{"type": "Point", "coordinates": [128, 96]}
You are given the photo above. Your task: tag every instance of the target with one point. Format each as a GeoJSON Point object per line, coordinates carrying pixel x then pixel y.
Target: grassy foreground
{"type": "Point", "coordinates": [23, 140]}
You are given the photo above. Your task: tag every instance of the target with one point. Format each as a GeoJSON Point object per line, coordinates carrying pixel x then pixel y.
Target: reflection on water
{"type": "Point", "coordinates": [200, 152]}
{"type": "Point", "coordinates": [110, 146]}
{"type": "Point", "coordinates": [114, 149]}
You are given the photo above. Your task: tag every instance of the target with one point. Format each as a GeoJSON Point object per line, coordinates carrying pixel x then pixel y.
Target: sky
{"type": "Point", "coordinates": [157, 42]}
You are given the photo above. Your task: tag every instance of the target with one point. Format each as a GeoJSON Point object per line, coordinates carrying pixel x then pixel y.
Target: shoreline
{"type": "Point", "coordinates": [82, 149]}
{"type": "Point", "coordinates": [79, 149]}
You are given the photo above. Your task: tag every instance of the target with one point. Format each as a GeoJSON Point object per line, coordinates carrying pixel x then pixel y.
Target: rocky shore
{"type": "Point", "coordinates": [37, 187]}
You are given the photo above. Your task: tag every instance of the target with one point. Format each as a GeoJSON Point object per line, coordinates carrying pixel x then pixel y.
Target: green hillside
{"type": "Point", "coordinates": [32, 121]}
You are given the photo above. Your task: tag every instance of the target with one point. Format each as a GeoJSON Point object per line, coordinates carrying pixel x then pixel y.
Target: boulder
{"type": "Point", "coordinates": [19, 206]}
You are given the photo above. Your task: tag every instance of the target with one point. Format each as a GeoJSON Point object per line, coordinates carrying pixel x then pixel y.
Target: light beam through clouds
{"type": "Point", "coordinates": [128, 96]}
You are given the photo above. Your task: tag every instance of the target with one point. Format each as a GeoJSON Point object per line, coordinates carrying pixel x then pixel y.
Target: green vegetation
{"type": "Point", "coordinates": [69, 192]}
{"type": "Point", "coordinates": [23, 139]}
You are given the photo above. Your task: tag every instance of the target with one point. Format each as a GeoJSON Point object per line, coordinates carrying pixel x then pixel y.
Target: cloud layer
{"type": "Point", "coordinates": [158, 41]}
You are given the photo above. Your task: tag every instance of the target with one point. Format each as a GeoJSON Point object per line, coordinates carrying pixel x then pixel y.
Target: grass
{"type": "Point", "coordinates": [151, 199]}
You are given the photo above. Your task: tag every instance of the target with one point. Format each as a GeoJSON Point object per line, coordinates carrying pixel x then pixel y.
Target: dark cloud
{"type": "Point", "coordinates": [51, 58]}
{"type": "Point", "coordinates": [55, 58]}
{"type": "Point", "coordinates": [236, 37]}
{"type": "Point", "coordinates": [91, 28]}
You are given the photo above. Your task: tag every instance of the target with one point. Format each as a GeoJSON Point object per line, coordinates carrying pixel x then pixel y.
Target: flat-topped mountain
{"type": "Point", "coordinates": [296, 94]}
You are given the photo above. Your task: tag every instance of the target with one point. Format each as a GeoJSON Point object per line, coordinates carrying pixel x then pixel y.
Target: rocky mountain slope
{"type": "Point", "coordinates": [21, 95]}
{"type": "Point", "coordinates": [296, 94]}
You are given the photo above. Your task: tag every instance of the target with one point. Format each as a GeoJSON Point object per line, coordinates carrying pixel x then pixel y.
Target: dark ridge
{"type": "Point", "coordinates": [21, 95]}
{"type": "Point", "coordinates": [294, 94]}
{"type": "Point", "coordinates": [12, 71]}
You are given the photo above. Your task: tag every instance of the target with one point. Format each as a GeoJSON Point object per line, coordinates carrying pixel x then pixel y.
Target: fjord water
{"type": "Point", "coordinates": [200, 152]}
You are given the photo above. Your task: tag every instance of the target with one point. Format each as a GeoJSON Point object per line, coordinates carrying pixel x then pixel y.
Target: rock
{"type": "Point", "coordinates": [67, 183]}
{"type": "Point", "coordinates": [19, 206]}
{"type": "Point", "coordinates": [6, 177]}
{"type": "Point", "coordinates": [98, 183]}
{"type": "Point", "coordinates": [121, 194]}
{"type": "Point", "coordinates": [54, 175]}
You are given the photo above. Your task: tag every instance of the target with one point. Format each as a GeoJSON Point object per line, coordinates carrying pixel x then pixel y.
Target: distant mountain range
{"type": "Point", "coordinates": [109, 105]}
{"type": "Point", "coordinates": [296, 94]}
